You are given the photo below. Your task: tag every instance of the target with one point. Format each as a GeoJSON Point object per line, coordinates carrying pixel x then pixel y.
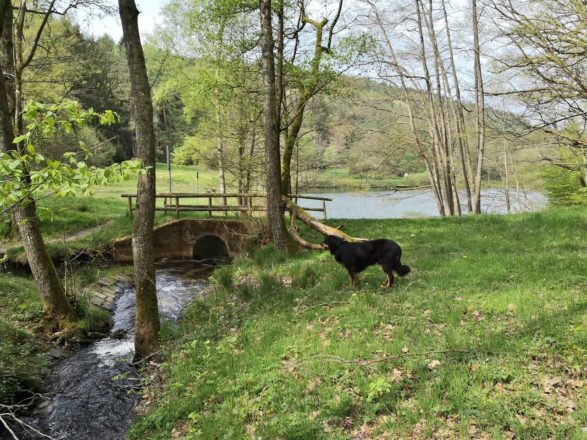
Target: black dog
{"type": "Point", "coordinates": [356, 257]}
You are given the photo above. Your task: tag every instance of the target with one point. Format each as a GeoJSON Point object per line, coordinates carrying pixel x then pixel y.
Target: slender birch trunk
{"type": "Point", "coordinates": [480, 110]}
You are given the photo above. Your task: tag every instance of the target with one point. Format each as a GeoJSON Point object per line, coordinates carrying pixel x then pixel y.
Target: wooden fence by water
{"type": "Point", "coordinates": [242, 203]}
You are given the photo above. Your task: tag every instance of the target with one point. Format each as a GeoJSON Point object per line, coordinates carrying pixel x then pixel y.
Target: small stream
{"type": "Point", "coordinates": [92, 394]}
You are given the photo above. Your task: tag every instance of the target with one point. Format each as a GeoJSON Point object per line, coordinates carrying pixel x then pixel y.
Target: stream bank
{"type": "Point", "coordinates": [91, 394]}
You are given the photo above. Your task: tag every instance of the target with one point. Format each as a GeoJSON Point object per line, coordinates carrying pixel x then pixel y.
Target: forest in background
{"type": "Point", "coordinates": [208, 104]}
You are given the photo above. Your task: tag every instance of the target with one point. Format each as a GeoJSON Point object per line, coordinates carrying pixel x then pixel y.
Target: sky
{"type": "Point", "coordinates": [149, 18]}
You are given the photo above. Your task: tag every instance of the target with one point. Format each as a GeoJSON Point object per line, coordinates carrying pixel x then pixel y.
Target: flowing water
{"type": "Point", "coordinates": [93, 393]}
{"type": "Point", "coordinates": [417, 203]}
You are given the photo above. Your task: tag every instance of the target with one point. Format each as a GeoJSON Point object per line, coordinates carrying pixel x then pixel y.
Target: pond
{"type": "Point", "coordinates": [416, 203]}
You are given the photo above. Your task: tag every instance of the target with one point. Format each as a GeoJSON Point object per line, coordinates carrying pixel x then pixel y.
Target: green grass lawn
{"type": "Point", "coordinates": [486, 338]}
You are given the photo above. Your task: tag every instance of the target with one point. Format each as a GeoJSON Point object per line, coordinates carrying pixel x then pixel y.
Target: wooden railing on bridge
{"type": "Point", "coordinates": [243, 203]}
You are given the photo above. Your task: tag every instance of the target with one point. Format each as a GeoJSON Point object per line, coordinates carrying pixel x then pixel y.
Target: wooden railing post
{"type": "Point", "coordinates": [177, 207]}
{"type": "Point", "coordinates": [210, 206]}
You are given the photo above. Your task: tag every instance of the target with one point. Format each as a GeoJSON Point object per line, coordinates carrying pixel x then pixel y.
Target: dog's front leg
{"type": "Point", "coordinates": [353, 279]}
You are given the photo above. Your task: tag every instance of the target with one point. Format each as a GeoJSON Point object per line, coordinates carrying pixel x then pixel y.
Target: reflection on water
{"type": "Point", "coordinates": [417, 203]}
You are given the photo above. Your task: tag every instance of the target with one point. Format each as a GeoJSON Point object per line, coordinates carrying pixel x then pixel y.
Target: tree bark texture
{"type": "Point", "coordinates": [55, 304]}
{"type": "Point", "coordinates": [275, 224]}
{"type": "Point", "coordinates": [480, 110]}
{"type": "Point", "coordinates": [147, 317]}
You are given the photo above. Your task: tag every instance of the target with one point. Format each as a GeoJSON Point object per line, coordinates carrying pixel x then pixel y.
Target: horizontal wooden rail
{"type": "Point", "coordinates": [243, 203]}
{"type": "Point", "coordinates": [201, 195]}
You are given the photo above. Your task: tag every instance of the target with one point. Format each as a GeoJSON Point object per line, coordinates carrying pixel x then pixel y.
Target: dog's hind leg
{"type": "Point", "coordinates": [389, 277]}
{"type": "Point", "coordinates": [353, 279]}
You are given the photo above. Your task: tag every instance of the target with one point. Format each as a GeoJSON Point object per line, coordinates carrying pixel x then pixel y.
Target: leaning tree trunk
{"type": "Point", "coordinates": [298, 213]}
{"type": "Point", "coordinates": [55, 304]}
{"type": "Point", "coordinates": [305, 92]}
{"type": "Point", "coordinates": [147, 317]}
{"type": "Point", "coordinates": [275, 225]}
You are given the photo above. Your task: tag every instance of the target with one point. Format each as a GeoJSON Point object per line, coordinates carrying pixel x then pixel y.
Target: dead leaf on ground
{"type": "Point", "coordinates": [396, 375]}
{"type": "Point", "coordinates": [549, 383]}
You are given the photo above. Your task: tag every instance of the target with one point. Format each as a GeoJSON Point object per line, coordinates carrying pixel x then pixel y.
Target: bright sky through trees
{"type": "Point", "coordinates": [149, 18]}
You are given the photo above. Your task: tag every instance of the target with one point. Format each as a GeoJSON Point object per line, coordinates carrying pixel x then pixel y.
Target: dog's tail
{"type": "Point", "coordinates": [403, 270]}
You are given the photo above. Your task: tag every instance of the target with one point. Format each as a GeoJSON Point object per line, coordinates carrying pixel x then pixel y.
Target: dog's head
{"type": "Point", "coordinates": [332, 242]}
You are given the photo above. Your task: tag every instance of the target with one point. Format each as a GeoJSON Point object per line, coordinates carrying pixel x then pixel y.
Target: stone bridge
{"type": "Point", "coordinates": [199, 239]}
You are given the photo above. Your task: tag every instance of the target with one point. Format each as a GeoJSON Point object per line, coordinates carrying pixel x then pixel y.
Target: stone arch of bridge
{"type": "Point", "coordinates": [188, 238]}
{"type": "Point", "coordinates": [210, 247]}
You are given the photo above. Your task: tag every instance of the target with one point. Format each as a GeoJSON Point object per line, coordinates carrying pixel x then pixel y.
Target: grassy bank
{"type": "Point", "coordinates": [24, 342]}
{"type": "Point", "coordinates": [21, 358]}
{"type": "Point", "coordinates": [486, 338]}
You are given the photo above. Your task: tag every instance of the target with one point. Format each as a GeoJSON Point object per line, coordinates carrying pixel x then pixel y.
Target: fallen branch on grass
{"type": "Point", "coordinates": [328, 304]}
{"type": "Point", "coordinates": [365, 362]}
{"type": "Point", "coordinates": [297, 212]}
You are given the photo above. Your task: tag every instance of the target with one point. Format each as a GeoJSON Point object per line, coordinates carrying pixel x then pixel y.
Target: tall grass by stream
{"type": "Point", "coordinates": [486, 338]}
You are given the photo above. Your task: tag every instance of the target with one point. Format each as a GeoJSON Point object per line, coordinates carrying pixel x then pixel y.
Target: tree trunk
{"type": "Point", "coordinates": [275, 225]}
{"type": "Point", "coordinates": [480, 111]}
{"type": "Point", "coordinates": [7, 56]}
{"type": "Point", "coordinates": [506, 176]}
{"type": "Point", "coordinates": [55, 304]}
{"type": "Point", "coordinates": [290, 142]}
{"type": "Point", "coordinates": [221, 171]}
{"type": "Point", "coordinates": [436, 164]}
{"type": "Point", "coordinates": [248, 175]}
{"type": "Point", "coordinates": [457, 108]}
{"type": "Point", "coordinates": [147, 316]}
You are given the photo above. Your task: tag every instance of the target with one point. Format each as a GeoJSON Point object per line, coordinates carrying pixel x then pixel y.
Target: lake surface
{"type": "Point", "coordinates": [416, 203]}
